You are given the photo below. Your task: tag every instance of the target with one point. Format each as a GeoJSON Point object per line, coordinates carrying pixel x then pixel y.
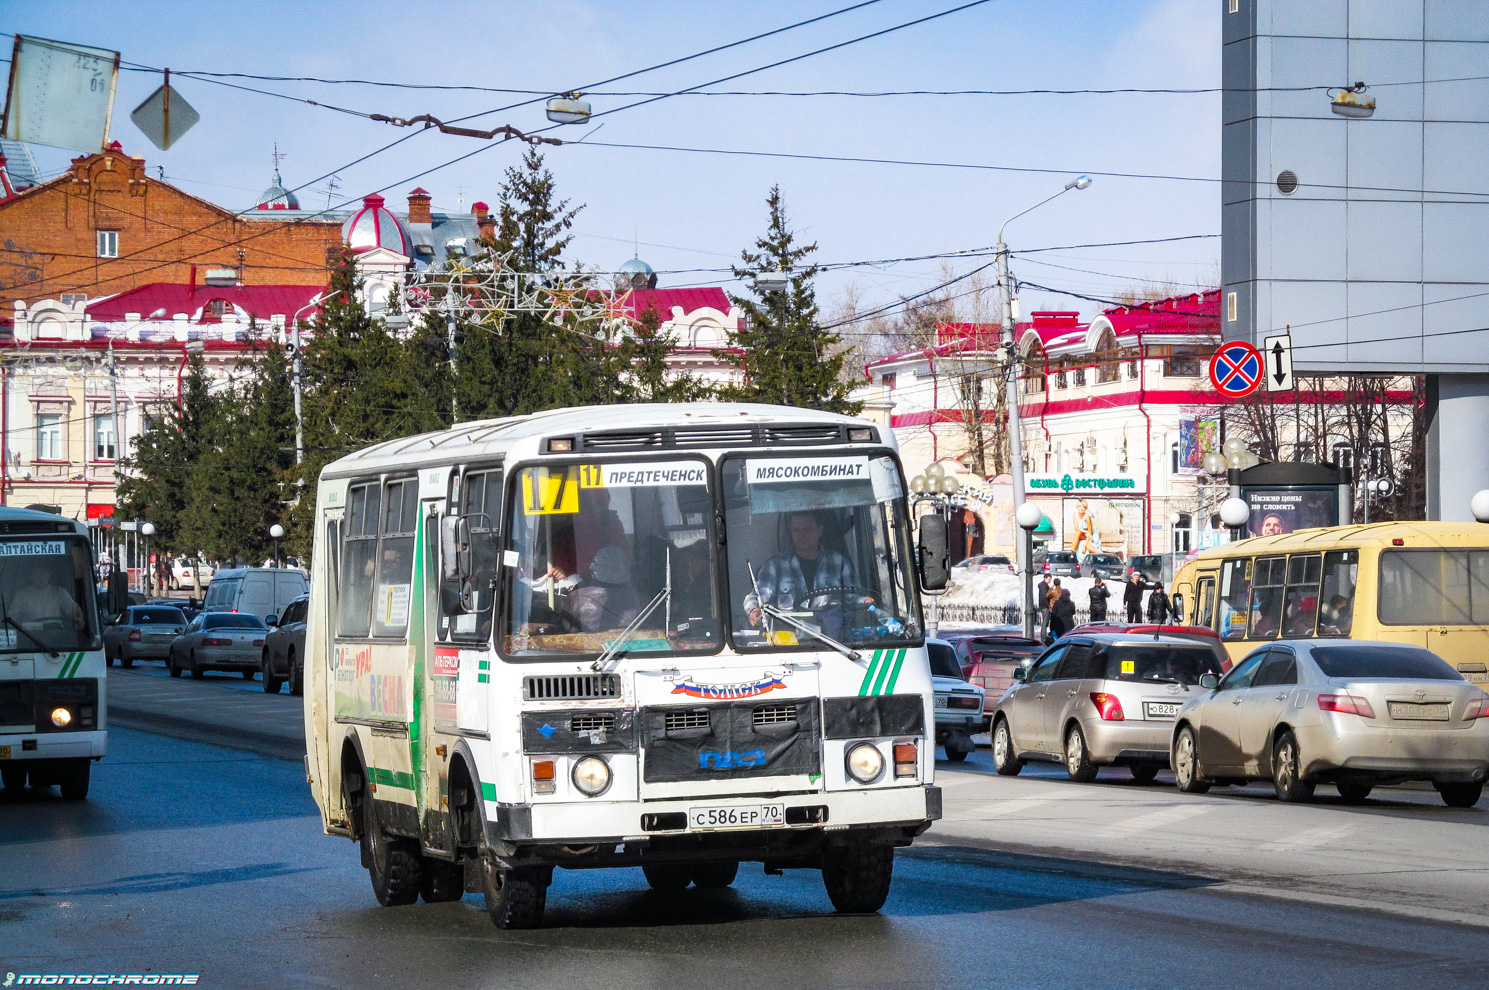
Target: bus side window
{"type": "Point", "coordinates": [1267, 579]}
{"type": "Point", "coordinates": [1301, 610]}
{"type": "Point", "coordinates": [1204, 607]}
{"type": "Point", "coordinates": [479, 501]}
{"type": "Point", "coordinates": [1337, 595]}
{"type": "Point", "coordinates": [1235, 597]}
{"type": "Point", "coordinates": [358, 560]}
{"type": "Point", "coordinates": [395, 566]}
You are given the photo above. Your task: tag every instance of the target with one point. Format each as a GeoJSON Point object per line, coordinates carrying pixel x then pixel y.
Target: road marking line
{"type": "Point", "coordinates": [1161, 818]}
{"type": "Point", "coordinates": [1004, 808]}
{"type": "Point", "coordinates": [1308, 839]}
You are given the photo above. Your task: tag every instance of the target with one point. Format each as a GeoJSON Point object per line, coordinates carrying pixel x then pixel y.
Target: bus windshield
{"type": "Point", "coordinates": [818, 546]}
{"type": "Point", "coordinates": [611, 556]}
{"type": "Point", "coordinates": [46, 595]}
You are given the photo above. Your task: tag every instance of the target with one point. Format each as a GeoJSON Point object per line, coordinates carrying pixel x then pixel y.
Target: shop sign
{"type": "Point", "coordinates": [1064, 484]}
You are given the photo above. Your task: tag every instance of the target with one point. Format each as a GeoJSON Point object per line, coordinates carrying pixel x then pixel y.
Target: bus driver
{"type": "Point", "coordinates": [789, 579]}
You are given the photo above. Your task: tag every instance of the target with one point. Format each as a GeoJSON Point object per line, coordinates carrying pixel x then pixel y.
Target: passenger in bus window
{"type": "Point", "coordinates": [605, 599]}
{"type": "Point", "coordinates": [692, 593]}
{"type": "Point", "coordinates": [1337, 617]}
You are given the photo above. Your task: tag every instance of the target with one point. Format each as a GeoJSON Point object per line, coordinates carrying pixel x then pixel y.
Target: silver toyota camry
{"type": "Point", "coordinates": [1348, 713]}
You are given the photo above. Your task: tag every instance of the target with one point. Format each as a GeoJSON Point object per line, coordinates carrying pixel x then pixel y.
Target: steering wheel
{"type": "Point", "coordinates": [545, 621]}
{"type": "Point", "coordinates": [838, 595]}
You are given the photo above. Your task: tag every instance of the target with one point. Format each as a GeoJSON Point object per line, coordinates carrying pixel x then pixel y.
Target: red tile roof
{"type": "Point", "coordinates": [638, 301]}
{"type": "Point", "coordinates": [168, 299]}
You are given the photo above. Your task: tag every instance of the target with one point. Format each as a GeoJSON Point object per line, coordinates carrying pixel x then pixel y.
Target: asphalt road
{"type": "Point", "coordinates": [201, 859]}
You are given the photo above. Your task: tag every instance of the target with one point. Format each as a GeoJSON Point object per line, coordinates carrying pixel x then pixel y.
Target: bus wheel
{"type": "Point", "coordinates": [668, 876]}
{"type": "Point", "coordinates": [13, 778]}
{"type": "Point", "coordinates": [715, 875]}
{"type": "Point", "coordinates": [857, 876]}
{"type": "Point", "coordinates": [442, 881]}
{"type": "Point", "coordinates": [73, 778]}
{"type": "Point", "coordinates": [394, 866]}
{"type": "Point", "coordinates": [514, 898]}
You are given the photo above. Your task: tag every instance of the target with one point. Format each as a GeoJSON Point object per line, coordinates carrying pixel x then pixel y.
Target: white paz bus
{"type": "Point", "coordinates": [52, 691]}
{"type": "Point", "coordinates": [674, 637]}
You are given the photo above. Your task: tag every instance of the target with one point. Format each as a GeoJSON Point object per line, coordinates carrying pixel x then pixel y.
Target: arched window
{"type": "Point", "coordinates": [1107, 363]}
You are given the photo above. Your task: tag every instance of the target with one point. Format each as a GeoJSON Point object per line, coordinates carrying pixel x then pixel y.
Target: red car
{"type": "Point", "coordinates": [989, 659]}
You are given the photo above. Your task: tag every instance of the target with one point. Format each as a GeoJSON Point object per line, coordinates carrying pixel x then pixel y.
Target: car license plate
{"type": "Point", "coordinates": [748, 816]}
{"type": "Point", "coordinates": [4, 752]}
{"type": "Point", "coordinates": [940, 701]}
{"type": "Point", "coordinates": [1161, 709]}
{"type": "Point", "coordinates": [159, 638]}
{"type": "Point", "coordinates": [1406, 710]}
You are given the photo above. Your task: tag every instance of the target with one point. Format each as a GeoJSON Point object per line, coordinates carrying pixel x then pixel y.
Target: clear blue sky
{"type": "Point", "coordinates": [697, 211]}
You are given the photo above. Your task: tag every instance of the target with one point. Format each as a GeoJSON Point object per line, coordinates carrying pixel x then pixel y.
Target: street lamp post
{"type": "Point", "coordinates": [1028, 516]}
{"type": "Point", "coordinates": [1234, 512]}
{"type": "Point", "coordinates": [938, 487]}
{"type": "Point", "coordinates": [776, 282]}
{"type": "Point", "coordinates": [1011, 385]}
{"type": "Point", "coordinates": [276, 533]}
{"type": "Point", "coordinates": [147, 530]}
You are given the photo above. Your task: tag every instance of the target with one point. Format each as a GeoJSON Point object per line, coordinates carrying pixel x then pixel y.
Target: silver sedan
{"type": "Point", "coordinates": [219, 641]}
{"type": "Point", "coordinates": [1349, 713]}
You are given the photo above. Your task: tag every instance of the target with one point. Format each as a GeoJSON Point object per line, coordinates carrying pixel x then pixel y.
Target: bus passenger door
{"type": "Point", "coordinates": [320, 659]}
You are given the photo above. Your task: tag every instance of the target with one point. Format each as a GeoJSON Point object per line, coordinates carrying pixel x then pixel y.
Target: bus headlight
{"type": "Point", "coordinates": [61, 717]}
{"type": "Point", "coordinates": [865, 763]}
{"type": "Point", "coordinates": [591, 775]}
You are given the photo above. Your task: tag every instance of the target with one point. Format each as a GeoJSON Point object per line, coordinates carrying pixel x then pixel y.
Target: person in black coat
{"type": "Point", "coordinates": [1132, 597]}
{"type": "Point", "coordinates": [1099, 594]}
{"type": "Point", "coordinates": [1062, 615]}
{"type": "Point", "coordinates": [1041, 602]}
{"type": "Point", "coordinates": [1158, 605]}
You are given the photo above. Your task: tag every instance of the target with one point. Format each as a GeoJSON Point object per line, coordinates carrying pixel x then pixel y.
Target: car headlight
{"type": "Point", "coordinates": [865, 763]}
{"type": "Point", "coordinates": [61, 717]}
{"type": "Point", "coordinates": [591, 775]}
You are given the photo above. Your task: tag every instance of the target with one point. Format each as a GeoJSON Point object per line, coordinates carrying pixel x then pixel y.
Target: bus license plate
{"type": "Point", "coordinates": [748, 816]}
{"type": "Point", "coordinates": [4, 752]}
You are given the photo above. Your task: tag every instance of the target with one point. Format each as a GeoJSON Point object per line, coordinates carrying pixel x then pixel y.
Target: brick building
{"type": "Point", "coordinates": [105, 227]}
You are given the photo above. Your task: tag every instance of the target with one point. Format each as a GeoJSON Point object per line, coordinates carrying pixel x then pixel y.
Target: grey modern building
{"type": "Point", "coordinates": [1357, 220]}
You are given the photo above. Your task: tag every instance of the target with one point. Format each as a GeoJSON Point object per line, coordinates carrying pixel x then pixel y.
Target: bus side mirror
{"type": "Point", "coordinates": [933, 553]}
{"type": "Point", "coordinates": [118, 599]}
{"type": "Point", "coordinates": [1209, 681]}
{"type": "Point", "coordinates": [1177, 606]}
{"type": "Point", "coordinates": [455, 564]}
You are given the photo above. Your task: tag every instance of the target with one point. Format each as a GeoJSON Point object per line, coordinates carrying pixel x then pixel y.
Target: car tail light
{"type": "Point", "coordinates": [1349, 704]}
{"type": "Point", "coordinates": [963, 701]}
{"type": "Point", "coordinates": [1477, 708]}
{"type": "Point", "coordinates": [906, 759]}
{"type": "Point", "coordinates": [1109, 706]}
{"type": "Point", "coordinates": [135, 636]}
{"type": "Point", "coordinates": [258, 642]}
{"type": "Point", "coordinates": [543, 777]}
{"type": "Point", "coordinates": [213, 641]}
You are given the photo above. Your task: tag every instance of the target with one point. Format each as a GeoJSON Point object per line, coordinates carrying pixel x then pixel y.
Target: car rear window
{"type": "Point", "coordinates": [1404, 662]}
{"type": "Point", "coordinates": [222, 592]}
{"type": "Point", "coordinates": [943, 661]}
{"type": "Point", "coordinates": [1160, 664]}
{"type": "Point", "coordinates": [1062, 557]}
{"type": "Point", "coordinates": [232, 620]}
{"type": "Point", "coordinates": [1107, 559]}
{"type": "Point", "coordinates": [159, 617]}
{"type": "Point", "coordinates": [996, 649]}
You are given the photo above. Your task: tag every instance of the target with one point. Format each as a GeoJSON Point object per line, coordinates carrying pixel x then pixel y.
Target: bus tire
{"type": "Point", "coordinates": [857, 876]}
{"type": "Point", "coordinates": [442, 881]}
{"type": "Point", "coordinates": [13, 778]}
{"type": "Point", "coordinates": [73, 777]}
{"type": "Point", "coordinates": [514, 898]}
{"type": "Point", "coordinates": [394, 865]}
{"type": "Point", "coordinates": [668, 876]}
{"type": "Point", "coordinates": [715, 875]}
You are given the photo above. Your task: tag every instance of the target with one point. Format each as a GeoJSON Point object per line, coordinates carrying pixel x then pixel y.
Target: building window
{"type": "Point", "coordinates": [1034, 384]}
{"type": "Point", "coordinates": [1173, 458]}
{"type": "Point", "coordinates": [1080, 376]}
{"type": "Point", "coordinates": [50, 440]}
{"type": "Point", "coordinates": [1230, 307]}
{"type": "Point", "coordinates": [103, 437]}
{"type": "Point", "coordinates": [1062, 379]}
{"type": "Point", "coordinates": [887, 380]}
{"type": "Point", "coordinates": [1183, 531]}
{"type": "Point", "coordinates": [108, 244]}
{"type": "Point", "coordinates": [1344, 457]}
{"type": "Point", "coordinates": [1131, 370]}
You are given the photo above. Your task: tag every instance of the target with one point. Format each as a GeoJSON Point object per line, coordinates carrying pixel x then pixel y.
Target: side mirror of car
{"type": "Point", "coordinates": [933, 553]}
{"type": "Point", "coordinates": [1209, 681]}
{"type": "Point", "coordinates": [1019, 673]}
{"type": "Point", "coordinates": [270, 620]}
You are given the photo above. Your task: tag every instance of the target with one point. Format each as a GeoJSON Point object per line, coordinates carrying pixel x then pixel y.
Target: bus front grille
{"type": "Point", "coordinates": [570, 687]}
{"type": "Point", "coordinates": [774, 715]}
{"type": "Point", "coordinates": [592, 722]}
{"type": "Point", "coordinates": [682, 721]}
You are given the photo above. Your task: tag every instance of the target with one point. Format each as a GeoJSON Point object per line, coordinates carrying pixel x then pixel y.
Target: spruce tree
{"type": "Point", "coordinates": [786, 357]}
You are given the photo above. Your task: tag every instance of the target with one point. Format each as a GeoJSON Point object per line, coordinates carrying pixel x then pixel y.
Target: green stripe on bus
{"type": "Point", "coordinates": [883, 675]}
{"type": "Point", "coordinates": [488, 792]}
{"type": "Point", "coordinates": [894, 675]}
{"type": "Point", "coordinates": [392, 778]}
{"type": "Point", "coordinates": [70, 665]}
{"type": "Point", "coordinates": [868, 675]}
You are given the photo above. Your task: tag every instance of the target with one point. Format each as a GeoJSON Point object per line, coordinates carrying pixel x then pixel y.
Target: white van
{"type": "Point", "coordinates": [260, 591]}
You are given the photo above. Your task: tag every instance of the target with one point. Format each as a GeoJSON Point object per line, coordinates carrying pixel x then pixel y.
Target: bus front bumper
{"type": "Point", "coordinates": [24, 746]}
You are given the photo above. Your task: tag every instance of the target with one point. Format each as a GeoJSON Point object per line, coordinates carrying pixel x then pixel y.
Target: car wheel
{"type": "Point", "coordinates": [1464, 794]}
{"type": "Point", "coordinates": [1078, 765]}
{"type": "Point", "coordinates": [514, 898]}
{"type": "Point", "coordinates": [1005, 760]}
{"type": "Point", "coordinates": [271, 683]}
{"type": "Point", "coordinates": [170, 663]}
{"type": "Point", "coordinates": [715, 875]}
{"type": "Point", "coordinates": [857, 876]}
{"type": "Point", "coordinates": [442, 881]}
{"type": "Point", "coordinates": [1287, 777]}
{"type": "Point", "coordinates": [1144, 773]}
{"type": "Point", "coordinates": [108, 659]}
{"type": "Point", "coordinates": [196, 672]}
{"type": "Point", "coordinates": [1353, 792]}
{"type": "Point", "coordinates": [668, 876]}
{"type": "Point", "coordinates": [1186, 764]}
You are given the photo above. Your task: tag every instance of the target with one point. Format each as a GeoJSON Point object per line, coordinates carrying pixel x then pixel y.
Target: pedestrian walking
{"type": "Point", "coordinates": [1041, 603]}
{"type": "Point", "coordinates": [1062, 614]}
{"type": "Point", "coordinates": [1158, 605]}
{"type": "Point", "coordinates": [1132, 597]}
{"type": "Point", "coordinates": [1099, 594]}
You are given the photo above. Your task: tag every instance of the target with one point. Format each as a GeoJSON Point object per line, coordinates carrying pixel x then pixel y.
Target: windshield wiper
{"type": "Point", "coordinates": [771, 610]}
{"type": "Point", "coordinates": [613, 651]}
{"type": "Point", "coordinates": [5, 617]}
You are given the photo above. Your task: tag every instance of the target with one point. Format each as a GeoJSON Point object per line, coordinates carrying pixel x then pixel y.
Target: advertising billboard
{"type": "Point", "coordinates": [1102, 525]}
{"type": "Point", "coordinates": [1275, 511]}
{"type": "Point", "coordinates": [1198, 436]}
